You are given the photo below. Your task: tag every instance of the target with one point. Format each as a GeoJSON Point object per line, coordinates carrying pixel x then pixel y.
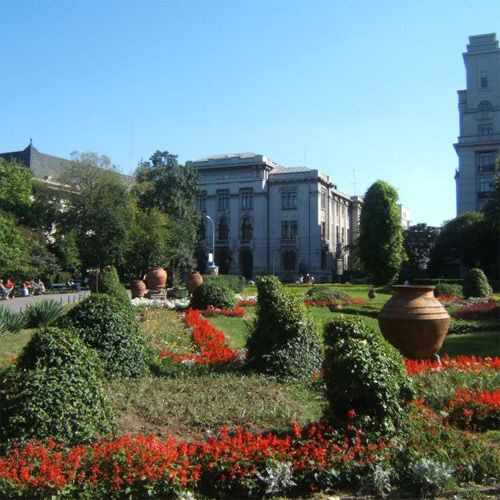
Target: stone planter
{"type": "Point", "coordinates": [194, 281]}
{"type": "Point", "coordinates": [156, 279]}
{"type": "Point", "coordinates": [414, 321]}
{"type": "Point", "coordinates": [137, 289]}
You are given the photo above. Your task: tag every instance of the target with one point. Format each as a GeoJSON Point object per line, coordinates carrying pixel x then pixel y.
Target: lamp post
{"type": "Point", "coordinates": [213, 238]}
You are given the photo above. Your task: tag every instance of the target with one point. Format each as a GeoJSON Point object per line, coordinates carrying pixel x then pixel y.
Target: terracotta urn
{"type": "Point", "coordinates": [194, 281]}
{"type": "Point", "coordinates": [137, 289]}
{"type": "Point", "coordinates": [156, 278]}
{"type": "Point", "coordinates": [414, 321]}
{"type": "Point", "coordinates": [372, 293]}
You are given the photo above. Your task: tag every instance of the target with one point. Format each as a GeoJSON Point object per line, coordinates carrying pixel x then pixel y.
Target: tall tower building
{"type": "Point", "coordinates": [478, 145]}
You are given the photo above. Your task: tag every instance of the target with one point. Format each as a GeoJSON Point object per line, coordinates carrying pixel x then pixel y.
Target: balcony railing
{"type": "Point", "coordinates": [486, 168]}
{"type": "Point", "coordinates": [484, 194]}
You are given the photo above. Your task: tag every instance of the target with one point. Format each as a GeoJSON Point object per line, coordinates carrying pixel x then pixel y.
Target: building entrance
{"type": "Point", "coordinates": [246, 263]}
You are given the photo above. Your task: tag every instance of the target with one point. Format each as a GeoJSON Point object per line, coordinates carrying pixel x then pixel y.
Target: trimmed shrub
{"type": "Point", "coordinates": [11, 321]}
{"type": "Point", "coordinates": [476, 284]}
{"type": "Point", "coordinates": [43, 313]}
{"type": "Point", "coordinates": [448, 289]}
{"type": "Point", "coordinates": [109, 283]}
{"type": "Point", "coordinates": [56, 391]}
{"type": "Point", "coordinates": [284, 341]}
{"type": "Point", "coordinates": [365, 378]}
{"type": "Point", "coordinates": [212, 294]}
{"type": "Point", "coordinates": [104, 324]}
{"type": "Point", "coordinates": [324, 292]}
{"type": "Point", "coordinates": [232, 281]}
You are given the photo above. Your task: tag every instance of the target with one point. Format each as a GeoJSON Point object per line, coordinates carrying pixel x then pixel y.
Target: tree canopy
{"type": "Point", "coordinates": [380, 242]}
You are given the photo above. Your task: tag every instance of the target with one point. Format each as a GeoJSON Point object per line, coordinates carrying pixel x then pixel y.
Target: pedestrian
{"type": "Point", "coordinates": [10, 287]}
{"type": "Point", "coordinates": [4, 292]}
{"type": "Point", "coordinates": [25, 291]}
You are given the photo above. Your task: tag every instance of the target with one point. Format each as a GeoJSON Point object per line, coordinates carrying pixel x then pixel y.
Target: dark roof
{"type": "Point", "coordinates": [46, 166]}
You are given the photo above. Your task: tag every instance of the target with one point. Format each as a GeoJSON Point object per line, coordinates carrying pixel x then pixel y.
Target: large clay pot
{"type": "Point", "coordinates": [156, 278]}
{"type": "Point", "coordinates": [194, 281]}
{"type": "Point", "coordinates": [414, 321]}
{"type": "Point", "coordinates": [137, 289]}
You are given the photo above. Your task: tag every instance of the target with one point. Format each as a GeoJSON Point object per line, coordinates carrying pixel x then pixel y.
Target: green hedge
{"type": "Point", "coordinates": [436, 281]}
{"type": "Point", "coordinates": [213, 294]}
{"type": "Point", "coordinates": [232, 281]}
{"type": "Point", "coordinates": [476, 284]}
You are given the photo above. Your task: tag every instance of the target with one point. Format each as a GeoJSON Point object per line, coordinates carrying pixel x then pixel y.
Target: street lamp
{"type": "Point", "coordinates": [213, 238]}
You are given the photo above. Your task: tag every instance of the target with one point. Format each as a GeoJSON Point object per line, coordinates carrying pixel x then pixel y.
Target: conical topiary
{"type": "Point", "coordinates": [476, 284]}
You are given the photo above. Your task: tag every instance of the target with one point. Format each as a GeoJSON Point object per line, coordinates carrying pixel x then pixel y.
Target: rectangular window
{"type": "Point", "coordinates": [222, 200]}
{"type": "Point", "coordinates": [289, 198]}
{"type": "Point", "coordinates": [293, 229]}
{"type": "Point", "coordinates": [343, 235]}
{"type": "Point", "coordinates": [485, 185]}
{"type": "Point", "coordinates": [323, 230]}
{"type": "Point", "coordinates": [202, 201]}
{"type": "Point", "coordinates": [323, 199]}
{"type": "Point", "coordinates": [337, 205]}
{"type": "Point", "coordinates": [485, 129]}
{"type": "Point", "coordinates": [337, 234]}
{"type": "Point", "coordinates": [486, 161]}
{"type": "Point", "coordinates": [288, 229]}
{"type": "Point", "coordinates": [284, 230]}
{"type": "Point", "coordinates": [484, 79]}
{"type": "Point", "coordinates": [246, 198]}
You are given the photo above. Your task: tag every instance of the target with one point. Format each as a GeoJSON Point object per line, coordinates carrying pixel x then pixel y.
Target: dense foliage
{"type": "Point", "coordinates": [108, 282]}
{"type": "Point", "coordinates": [11, 321]}
{"type": "Point", "coordinates": [365, 378]}
{"type": "Point", "coordinates": [476, 284]}
{"type": "Point", "coordinates": [380, 243]}
{"type": "Point", "coordinates": [418, 242]}
{"type": "Point", "coordinates": [56, 391]}
{"type": "Point", "coordinates": [284, 340]}
{"type": "Point", "coordinates": [448, 289]}
{"type": "Point", "coordinates": [234, 282]}
{"type": "Point", "coordinates": [324, 292]}
{"type": "Point", "coordinates": [212, 294]}
{"type": "Point", "coordinates": [105, 324]}
{"type": "Point", "coordinates": [43, 313]}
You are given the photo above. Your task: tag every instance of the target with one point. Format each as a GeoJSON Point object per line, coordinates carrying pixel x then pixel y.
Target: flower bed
{"type": "Point", "coordinates": [237, 312]}
{"type": "Point", "coordinates": [351, 301]}
{"type": "Point", "coordinates": [481, 310]}
{"type": "Point", "coordinates": [172, 304]}
{"type": "Point", "coordinates": [464, 363]}
{"type": "Point", "coordinates": [210, 341]}
{"type": "Point", "coordinates": [474, 410]}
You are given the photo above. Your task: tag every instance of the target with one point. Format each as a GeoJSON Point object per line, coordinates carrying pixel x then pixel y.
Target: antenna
{"type": "Point", "coordinates": [354, 181]}
{"type": "Point", "coordinates": [131, 143]}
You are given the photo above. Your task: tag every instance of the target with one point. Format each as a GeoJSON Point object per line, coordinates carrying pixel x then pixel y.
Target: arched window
{"type": "Point", "coordinates": [289, 259]}
{"type": "Point", "coordinates": [485, 106]}
{"type": "Point", "coordinates": [223, 229]}
{"type": "Point", "coordinates": [246, 229]}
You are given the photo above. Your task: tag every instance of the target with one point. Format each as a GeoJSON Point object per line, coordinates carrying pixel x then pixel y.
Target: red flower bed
{"type": "Point", "coordinates": [474, 410]}
{"type": "Point", "coordinates": [464, 363]}
{"type": "Point", "coordinates": [351, 301]}
{"type": "Point", "coordinates": [237, 312]}
{"type": "Point", "coordinates": [139, 464]}
{"type": "Point", "coordinates": [210, 341]}
{"type": "Point", "coordinates": [451, 298]}
{"type": "Point", "coordinates": [481, 310]}
{"type": "Point", "coordinates": [246, 303]}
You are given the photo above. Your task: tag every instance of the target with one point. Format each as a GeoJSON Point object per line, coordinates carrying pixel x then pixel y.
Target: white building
{"type": "Point", "coordinates": [268, 218]}
{"type": "Point", "coordinates": [479, 106]}
{"type": "Point", "coordinates": [404, 213]}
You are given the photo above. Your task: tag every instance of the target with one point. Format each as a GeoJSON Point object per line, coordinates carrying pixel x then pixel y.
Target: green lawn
{"type": "Point", "coordinates": [11, 345]}
{"type": "Point", "coordinates": [486, 343]}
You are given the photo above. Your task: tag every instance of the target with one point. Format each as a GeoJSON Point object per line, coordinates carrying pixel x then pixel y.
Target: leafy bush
{"type": "Point", "coordinates": [430, 476]}
{"type": "Point", "coordinates": [177, 293]}
{"type": "Point", "coordinates": [109, 283]}
{"type": "Point", "coordinates": [11, 321]}
{"type": "Point", "coordinates": [324, 292]}
{"type": "Point", "coordinates": [104, 324]}
{"type": "Point", "coordinates": [232, 281]}
{"type": "Point", "coordinates": [476, 284]}
{"type": "Point", "coordinates": [448, 289]}
{"type": "Point", "coordinates": [365, 378]}
{"type": "Point", "coordinates": [212, 294]}
{"type": "Point", "coordinates": [43, 313]}
{"type": "Point", "coordinates": [284, 341]}
{"type": "Point", "coordinates": [56, 391]}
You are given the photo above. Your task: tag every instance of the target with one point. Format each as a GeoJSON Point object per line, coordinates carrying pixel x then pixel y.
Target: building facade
{"type": "Point", "coordinates": [478, 145]}
{"type": "Point", "coordinates": [264, 218]}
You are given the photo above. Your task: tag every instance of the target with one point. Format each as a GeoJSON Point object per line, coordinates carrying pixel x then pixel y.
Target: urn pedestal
{"type": "Point", "coordinates": [414, 321]}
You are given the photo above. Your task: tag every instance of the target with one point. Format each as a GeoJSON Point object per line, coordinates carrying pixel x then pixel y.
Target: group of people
{"type": "Point", "coordinates": [28, 287]}
{"type": "Point", "coordinates": [308, 279]}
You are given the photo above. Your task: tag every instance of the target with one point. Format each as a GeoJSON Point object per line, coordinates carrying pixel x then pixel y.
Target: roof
{"type": "Point", "coordinates": [230, 156]}
{"type": "Point", "coordinates": [289, 170]}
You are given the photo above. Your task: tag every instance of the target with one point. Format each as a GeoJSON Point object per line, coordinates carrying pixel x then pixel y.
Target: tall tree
{"type": "Point", "coordinates": [380, 233]}
{"type": "Point", "coordinates": [16, 187]}
{"type": "Point", "coordinates": [172, 188]}
{"type": "Point", "coordinates": [418, 242]}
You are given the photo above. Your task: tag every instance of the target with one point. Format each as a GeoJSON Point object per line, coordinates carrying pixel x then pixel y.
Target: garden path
{"type": "Point", "coordinates": [19, 303]}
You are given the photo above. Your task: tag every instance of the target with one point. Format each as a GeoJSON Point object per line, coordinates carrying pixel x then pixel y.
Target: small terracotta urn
{"type": "Point", "coordinates": [194, 281]}
{"type": "Point", "coordinates": [156, 278]}
{"type": "Point", "coordinates": [137, 289]}
{"type": "Point", "coordinates": [372, 293]}
{"type": "Point", "coordinates": [414, 321]}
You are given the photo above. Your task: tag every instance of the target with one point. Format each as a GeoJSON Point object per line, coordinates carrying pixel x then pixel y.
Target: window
{"type": "Point", "coordinates": [202, 201]}
{"type": "Point", "coordinates": [485, 129]}
{"type": "Point", "coordinates": [337, 205]}
{"type": "Point", "coordinates": [289, 260]}
{"type": "Point", "coordinates": [337, 234]}
{"type": "Point", "coordinates": [246, 229]}
{"type": "Point", "coordinates": [486, 161]}
{"type": "Point", "coordinates": [343, 235]}
{"type": "Point", "coordinates": [223, 229]}
{"type": "Point", "coordinates": [246, 199]}
{"type": "Point", "coordinates": [323, 230]}
{"type": "Point", "coordinates": [288, 229]}
{"type": "Point", "coordinates": [485, 106]}
{"type": "Point", "coordinates": [484, 79]}
{"type": "Point", "coordinates": [222, 200]}
{"type": "Point", "coordinates": [289, 198]}
{"type": "Point", "coordinates": [485, 185]}
{"type": "Point", "coordinates": [323, 199]}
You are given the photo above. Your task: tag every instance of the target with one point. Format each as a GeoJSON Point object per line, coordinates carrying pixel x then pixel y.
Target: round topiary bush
{"type": "Point", "coordinates": [448, 289]}
{"type": "Point", "coordinates": [476, 284]}
{"type": "Point", "coordinates": [55, 391]}
{"type": "Point", "coordinates": [324, 292]}
{"type": "Point", "coordinates": [104, 324]}
{"type": "Point", "coordinates": [108, 282]}
{"type": "Point", "coordinates": [212, 294]}
{"type": "Point", "coordinates": [284, 341]}
{"type": "Point", "coordinates": [365, 374]}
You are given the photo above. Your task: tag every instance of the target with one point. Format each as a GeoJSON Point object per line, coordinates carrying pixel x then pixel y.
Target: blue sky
{"type": "Point", "coordinates": [359, 89]}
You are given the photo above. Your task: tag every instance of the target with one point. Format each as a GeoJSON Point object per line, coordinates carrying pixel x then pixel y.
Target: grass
{"type": "Point", "coordinates": [190, 405]}
{"type": "Point", "coordinates": [11, 345]}
{"type": "Point", "coordinates": [485, 343]}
